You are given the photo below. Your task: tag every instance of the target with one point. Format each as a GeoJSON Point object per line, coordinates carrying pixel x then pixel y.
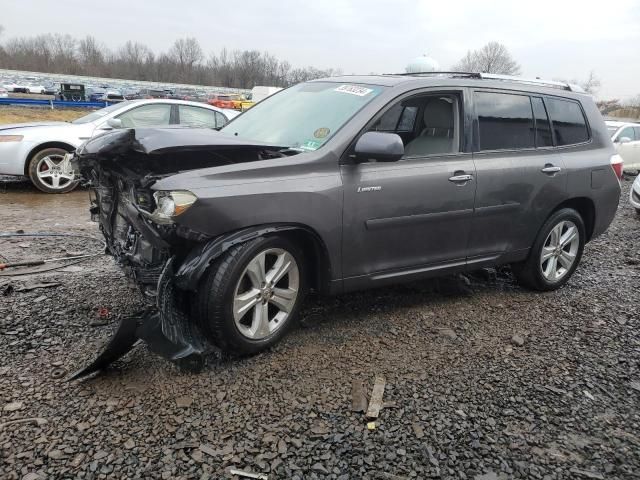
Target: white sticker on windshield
{"type": "Point", "coordinates": [354, 90]}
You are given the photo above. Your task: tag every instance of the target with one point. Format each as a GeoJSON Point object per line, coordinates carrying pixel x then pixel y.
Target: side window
{"type": "Point", "coordinates": [505, 121]}
{"type": "Point", "coordinates": [543, 128]}
{"type": "Point", "coordinates": [407, 119]}
{"type": "Point", "coordinates": [568, 121]}
{"type": "Point", "coordinates": [389, 120]}
{"type": "Point", "coordinates": [197, 117]}
{"type": "Point", "coordinates": [626, 132]}
{"type": "Point", "coordinates": [399, 118]}
{"type": "Point", "coordinates": [152, 115]}
{"type": "Point", "coordinates": [637, 130]}
{"type": "Point", "coordinates": [221, 120]}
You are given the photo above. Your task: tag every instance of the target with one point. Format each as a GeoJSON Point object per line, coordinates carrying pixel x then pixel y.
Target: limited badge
{"type": "Point", "coordinates": [321, 132]}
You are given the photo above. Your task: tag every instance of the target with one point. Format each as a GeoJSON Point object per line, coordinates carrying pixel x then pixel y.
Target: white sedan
{"type": "Point", "coordinates": [626, 138]}
{"type": "Point", "coordinates": [38, 150]}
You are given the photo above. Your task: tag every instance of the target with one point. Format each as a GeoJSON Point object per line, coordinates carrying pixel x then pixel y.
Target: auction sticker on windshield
{"type": "Point", "coordinates": [354, 90]}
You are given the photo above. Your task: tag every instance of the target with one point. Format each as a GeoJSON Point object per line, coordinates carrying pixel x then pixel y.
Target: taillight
{"type": "Point", "coordinates": [618, 165]}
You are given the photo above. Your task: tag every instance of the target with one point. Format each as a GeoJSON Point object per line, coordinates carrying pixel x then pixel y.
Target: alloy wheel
{"type": "Point", "coordinates": [559, 251]}
{"type": "Point", "coordinates": [266, 293]}
{"type": "Point", "coordinates": [55, 171]}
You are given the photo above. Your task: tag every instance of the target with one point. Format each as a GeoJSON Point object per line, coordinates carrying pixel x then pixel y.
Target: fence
{"type": "Point", "coordinates": [53, 103]}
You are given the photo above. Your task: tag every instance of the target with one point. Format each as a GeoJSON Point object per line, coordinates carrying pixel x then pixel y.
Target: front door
{"type": "Point", "coordinates": [403, 219]}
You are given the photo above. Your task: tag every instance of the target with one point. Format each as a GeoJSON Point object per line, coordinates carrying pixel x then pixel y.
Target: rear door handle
{"type": "Point", "coordinates": [463, 178]}
{"type": "Point", "coordinates": [548, 168]}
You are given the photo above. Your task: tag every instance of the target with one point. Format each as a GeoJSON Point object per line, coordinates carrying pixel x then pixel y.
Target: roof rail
{"type": "Point", "coordinates": [534, 81]}
{"type": "Point", "coordinates": [509, 78]}
{"type": "Point", "coordinates": [435, 74]}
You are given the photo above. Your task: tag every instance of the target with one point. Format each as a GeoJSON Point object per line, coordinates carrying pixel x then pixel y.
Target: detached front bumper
{"type": "Point", "coordinates": [166, 328]}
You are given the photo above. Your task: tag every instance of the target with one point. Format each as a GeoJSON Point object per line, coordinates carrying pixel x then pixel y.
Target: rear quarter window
{"type": "Point", "coordinates": [569, 124]}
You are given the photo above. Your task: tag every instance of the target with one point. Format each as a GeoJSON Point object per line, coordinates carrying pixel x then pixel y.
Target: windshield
{"type": "Point", "coordinates": [304, 116]}
{"type": "Point", "coordinates": [98, 114]}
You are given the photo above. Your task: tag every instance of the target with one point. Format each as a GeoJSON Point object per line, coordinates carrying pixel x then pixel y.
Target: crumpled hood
{"type": "Point", "coordinates": [29, 125]}
{"type": "Point", "coordinates": [158, 152]}
{"type": "Point", "coordinates": [156, 141]}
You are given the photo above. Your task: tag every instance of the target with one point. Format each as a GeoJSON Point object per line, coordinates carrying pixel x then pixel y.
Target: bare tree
{"type": "Point", "coordinates": [591, 84]}
{"type": "Point", "coordinates": [58, 53]}
{"type": "Point", "coordinates": [632, 102]}
{"type": "Point", "coordinates": [186, 52]}
{"type": "Point", "coordinates": [492, 58]}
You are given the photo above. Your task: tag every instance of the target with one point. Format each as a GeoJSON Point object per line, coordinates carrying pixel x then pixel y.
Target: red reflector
{"type": "Point", "coordinates": [618, 165]}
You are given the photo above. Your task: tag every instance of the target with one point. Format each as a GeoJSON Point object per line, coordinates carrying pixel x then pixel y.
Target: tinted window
{"type": "Point", "coordinates": [152, 115]}
{"type": "Point", "coordinates": [389, 120]}
{"type": "Point", "coordinates": [505, 121]}
{"type": "Point", "coordinates": [568, 121]}
{"type": "Point", "coordinates": [408, 119]}
{"type": "Point", "coordinates": [543, 128]}
{"type": "Point", "coordinates": [197, 117]}
{"type": "Point", "coordinates": [397, 119]}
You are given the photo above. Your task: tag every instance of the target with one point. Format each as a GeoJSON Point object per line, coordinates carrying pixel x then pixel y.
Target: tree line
{"type": "Point", "coordinates": [185, 62]}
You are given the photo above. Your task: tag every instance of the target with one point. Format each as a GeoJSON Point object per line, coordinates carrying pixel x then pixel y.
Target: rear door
{"type": "Point", "coordinates": [520, 176]}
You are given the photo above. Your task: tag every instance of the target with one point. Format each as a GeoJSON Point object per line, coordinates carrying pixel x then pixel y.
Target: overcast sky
{"type": "Point", "coordinates": [549, 38]}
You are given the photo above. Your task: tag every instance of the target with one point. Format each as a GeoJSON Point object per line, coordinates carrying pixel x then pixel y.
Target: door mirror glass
{"type": "Point", "coordinates": [624, 140]}
{"type": "Point", "coordinates": [379, 146]}
{"type": "Point", "coordinates": [114, 123]}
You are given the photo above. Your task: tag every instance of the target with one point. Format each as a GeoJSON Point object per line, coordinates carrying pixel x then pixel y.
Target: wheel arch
{"type": "Point", "coordinates": [587, 210]}
{"type": "Point", "coordinates": [198, 259]}
{"type": "Point", "coordinates": [42, 146]}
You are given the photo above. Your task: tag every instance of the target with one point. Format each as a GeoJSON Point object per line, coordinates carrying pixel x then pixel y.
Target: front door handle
{"type": "Point", "coordinates": [550, 169]}
{"type": "Point", "coordinates": [461, 179]}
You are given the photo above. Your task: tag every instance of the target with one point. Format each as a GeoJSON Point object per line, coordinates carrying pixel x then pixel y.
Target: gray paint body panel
{"type": "Point", "coordinates": [418, 223]}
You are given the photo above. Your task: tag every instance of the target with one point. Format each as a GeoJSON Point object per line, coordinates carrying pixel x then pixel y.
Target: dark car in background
{"type": "Point", "coordinates": [147, 93]}
{"type": "Point", "coordinates": [351, 183]}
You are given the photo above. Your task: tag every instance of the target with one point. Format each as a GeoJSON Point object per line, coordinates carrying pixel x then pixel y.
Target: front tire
{"type": "Point", "coordinates": [251, 296]}
{"type": "Point", "coordinates": [50, 172]}
{"type": "Point", "coordinates": [555, 254]}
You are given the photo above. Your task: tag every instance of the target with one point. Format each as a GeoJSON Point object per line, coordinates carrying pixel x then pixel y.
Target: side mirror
{"type": "Point", "coordinates": [380, 146]}
{"type": "Point", "coordinates": [114, 123]}
{"type": "Point", "coordinates": [624, 140]}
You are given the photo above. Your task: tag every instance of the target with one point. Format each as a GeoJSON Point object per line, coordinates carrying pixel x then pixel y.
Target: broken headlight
{"type": "Point", "coordinates": [170, 204]}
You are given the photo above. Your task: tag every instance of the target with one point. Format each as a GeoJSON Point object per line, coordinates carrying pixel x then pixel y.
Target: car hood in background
{"type": "Point", "coordinates": [13, 126]}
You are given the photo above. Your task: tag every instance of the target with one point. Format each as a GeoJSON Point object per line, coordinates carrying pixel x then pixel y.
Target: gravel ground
{"type": "Point", "coordinates": [484, 380]}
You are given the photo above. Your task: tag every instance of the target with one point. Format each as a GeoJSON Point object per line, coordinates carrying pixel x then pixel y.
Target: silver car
{"type": "Point", "coordinates": [38, 149]}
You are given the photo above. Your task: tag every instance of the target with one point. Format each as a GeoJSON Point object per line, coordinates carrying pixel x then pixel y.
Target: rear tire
{"type": "Point", "coordinates": [555, 254]}
{"type": "Point", "coordinates": [50, 173]}
{"type": "Point", "coordinates": [250, 297]}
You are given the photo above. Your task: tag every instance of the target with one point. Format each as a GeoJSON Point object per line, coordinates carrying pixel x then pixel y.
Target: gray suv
{"type": "Point", "coordinates": [348, 183]}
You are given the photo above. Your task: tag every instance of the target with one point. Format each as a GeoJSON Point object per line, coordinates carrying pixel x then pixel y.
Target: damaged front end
{"type": "Point", "coordinates": [143, 233]}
